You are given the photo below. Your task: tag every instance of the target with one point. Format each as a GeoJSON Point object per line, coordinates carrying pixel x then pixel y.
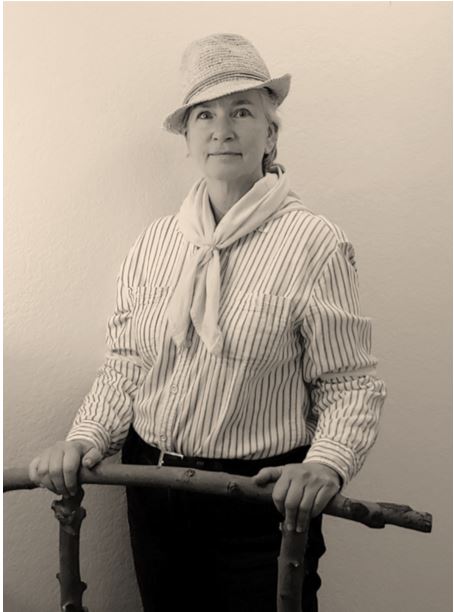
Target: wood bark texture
{"type": "Point", "coordinates": [70, 515]}
{"type": "Point", "coordinates": [291, 569]}
{"type": "Point", "coordinates": [373, 514]}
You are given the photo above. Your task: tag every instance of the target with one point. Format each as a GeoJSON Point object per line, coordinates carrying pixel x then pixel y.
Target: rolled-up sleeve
{"type": "Point", "coordinates": [107, 410]}
{"type": "Point", "coordinates": [346, 395]}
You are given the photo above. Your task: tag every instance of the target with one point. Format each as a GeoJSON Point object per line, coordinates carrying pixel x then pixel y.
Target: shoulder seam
{"type": "Point", "coordinates": [337, 232]}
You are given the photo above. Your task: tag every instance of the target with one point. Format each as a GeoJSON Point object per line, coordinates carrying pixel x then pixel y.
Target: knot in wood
{"type": "Point", "coordinates": [188, 474]}
{"type": "Point", "coordinates": [64, 514]}
{"type": "Point", "coordinates": [233, 488]}
{"type": "Point", "coordinates": [369, 517]}
{"type": "Point", "coordinates": [68, 515]}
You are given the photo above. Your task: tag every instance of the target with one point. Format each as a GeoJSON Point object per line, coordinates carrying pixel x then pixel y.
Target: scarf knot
{"type": "Point", "coordinates": [205, 253]}
{"type": "Point", "coordinates": [197, 293]}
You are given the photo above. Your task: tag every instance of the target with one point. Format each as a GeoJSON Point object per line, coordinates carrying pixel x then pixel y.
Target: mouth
{"type": "Point", "coordinates": [223, 154]}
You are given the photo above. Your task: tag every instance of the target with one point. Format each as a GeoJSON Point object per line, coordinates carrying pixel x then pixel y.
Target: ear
{"type": "Point", "coordinates": [271, 138]}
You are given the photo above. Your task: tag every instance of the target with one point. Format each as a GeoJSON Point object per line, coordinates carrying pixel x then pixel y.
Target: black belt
{"type": "Point", "coordinates": [247, 467]}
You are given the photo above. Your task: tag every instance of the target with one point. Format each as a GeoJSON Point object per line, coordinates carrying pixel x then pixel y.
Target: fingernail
{"type": "Point", "coordinates": [289, 527]}
{"type": "Point", "coordinates": [299, 529]}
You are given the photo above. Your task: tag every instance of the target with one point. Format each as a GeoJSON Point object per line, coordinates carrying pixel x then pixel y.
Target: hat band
{"type": "Point", "coordinates": [220, 78]}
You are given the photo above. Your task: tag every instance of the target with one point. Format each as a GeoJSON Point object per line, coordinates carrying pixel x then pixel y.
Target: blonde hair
{"type": "Point", "coordinates": [270, 109]}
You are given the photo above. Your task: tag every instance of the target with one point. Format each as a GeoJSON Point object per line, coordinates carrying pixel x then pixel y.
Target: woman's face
{"type": "Point", "coordinates": [228, 137]}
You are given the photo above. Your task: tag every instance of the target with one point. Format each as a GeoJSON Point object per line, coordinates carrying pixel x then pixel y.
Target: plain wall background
{"type": "Point", "coordinates": [366, 141]}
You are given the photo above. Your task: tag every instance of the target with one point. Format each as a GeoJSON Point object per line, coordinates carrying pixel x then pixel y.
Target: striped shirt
{"type": "Point", "coordinates": [295, 367]}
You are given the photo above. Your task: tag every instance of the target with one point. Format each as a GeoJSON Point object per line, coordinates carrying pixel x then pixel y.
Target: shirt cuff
{"type": "Point", "coordinates": [92, 432]}
{"type": "Point", "coordinates": [336, 456]}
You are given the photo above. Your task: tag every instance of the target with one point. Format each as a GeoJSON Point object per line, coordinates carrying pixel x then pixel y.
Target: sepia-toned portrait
{"type": "Point", "coordinates": [227, 306]}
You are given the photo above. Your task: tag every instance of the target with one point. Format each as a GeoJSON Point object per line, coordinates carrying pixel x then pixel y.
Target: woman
{"type": "Point", "coordinates": [236, 345]}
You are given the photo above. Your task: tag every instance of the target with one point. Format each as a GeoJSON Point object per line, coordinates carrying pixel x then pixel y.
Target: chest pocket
{"type": "Point", "coordinates": [256, 329]}
{"type": "Point", "coordinates": [150, 320]}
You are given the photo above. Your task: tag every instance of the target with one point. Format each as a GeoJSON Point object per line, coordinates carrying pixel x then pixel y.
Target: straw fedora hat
{"type": "Point", "coordinates": [218, 65]}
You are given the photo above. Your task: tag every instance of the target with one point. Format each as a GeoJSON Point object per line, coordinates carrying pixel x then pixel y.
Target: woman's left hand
{"type": "Point", "coordinates": [302, 490]}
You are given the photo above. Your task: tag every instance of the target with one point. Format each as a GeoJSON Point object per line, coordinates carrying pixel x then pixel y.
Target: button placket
{"type": "Point", "coordinates": [174, 391]}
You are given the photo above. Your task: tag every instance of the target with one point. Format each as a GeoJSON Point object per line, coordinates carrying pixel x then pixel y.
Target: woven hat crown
{"type": "Point", "coordinates": [219, 65]}
{"type": "Point", "coordinates": [217, 58]}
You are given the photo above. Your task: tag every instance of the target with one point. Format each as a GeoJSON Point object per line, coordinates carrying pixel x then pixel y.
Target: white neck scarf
{"type": "Point", "coordinates": [197, 293]}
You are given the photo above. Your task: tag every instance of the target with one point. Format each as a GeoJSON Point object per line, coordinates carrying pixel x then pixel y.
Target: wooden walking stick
{"type": "Point", "coordinates": [290, 566]}
{"type": "Point", "coordinates": [376, 515]}
{"type": "Point", "coordinates": [372, 514]}
{"type": "Point", "coordinates": [291, 559]}
{"type": "Point", "coordinates": [70, 515]}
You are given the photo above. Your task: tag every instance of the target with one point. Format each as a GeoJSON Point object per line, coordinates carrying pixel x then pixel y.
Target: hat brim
{"type": "Point", "coordinates": [279, 86]}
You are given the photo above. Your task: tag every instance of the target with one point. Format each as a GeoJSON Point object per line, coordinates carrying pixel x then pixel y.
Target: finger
{"type": "Point", "coordinates": [91, 458]}
{"type": "Point", "coordinates": [324, 495]}
{"type": "Point", "coordinates": [307, 501]}
{"type": "Point", "coordinates": [268, 474]}
{"type": "Point", "coordinates": [32, 470]}
{"type": "Point", "coordinates": [46, 483]}
{"type": "Point", "coordinates": [56, 471]}
{"type": "Point", "coordinates": [305, 509]}
{"type": "Point", "coordinates": [280, 492]}
{"type": "Point", "coordinates": [42, 473]}
{"type": "Point", "coordinates": [293, 498]}
{"type": "Point", "coordinates": [71, 464]}
{"type": "Point", "coordinates": [302, 520]}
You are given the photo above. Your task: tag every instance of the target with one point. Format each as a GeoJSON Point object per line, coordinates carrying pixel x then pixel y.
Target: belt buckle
{"type": "Point", "coordinates": [163, 453]}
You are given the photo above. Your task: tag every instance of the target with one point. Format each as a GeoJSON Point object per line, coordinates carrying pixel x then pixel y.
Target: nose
{"type": "Point", "coordinates": [223, 128]}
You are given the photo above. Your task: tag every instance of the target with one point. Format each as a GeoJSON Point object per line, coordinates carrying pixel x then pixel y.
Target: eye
{"type": "Point", "coordinates": [203, 115]}
{"type": "Point", "coordinates": [242, 112]}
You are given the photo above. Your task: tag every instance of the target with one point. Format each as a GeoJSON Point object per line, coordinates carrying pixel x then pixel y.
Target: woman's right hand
{"type": "Point", "coordinates": [57, 467]}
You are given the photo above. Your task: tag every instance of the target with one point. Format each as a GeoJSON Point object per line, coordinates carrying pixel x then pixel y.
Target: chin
{"type": "Point", "coordinates": [224, 175]}
{"type": "Point", "coordinates": [232, 174]}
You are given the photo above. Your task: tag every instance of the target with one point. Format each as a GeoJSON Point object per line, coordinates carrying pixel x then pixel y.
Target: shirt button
{"type": "Point", "coordinates": [163, 438]}
{"type": "Point", "coordinates": [173, 389]}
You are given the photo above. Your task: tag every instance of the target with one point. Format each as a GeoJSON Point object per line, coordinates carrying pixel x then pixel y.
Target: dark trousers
{"type": "Point", "coordinates": [210, 553]}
